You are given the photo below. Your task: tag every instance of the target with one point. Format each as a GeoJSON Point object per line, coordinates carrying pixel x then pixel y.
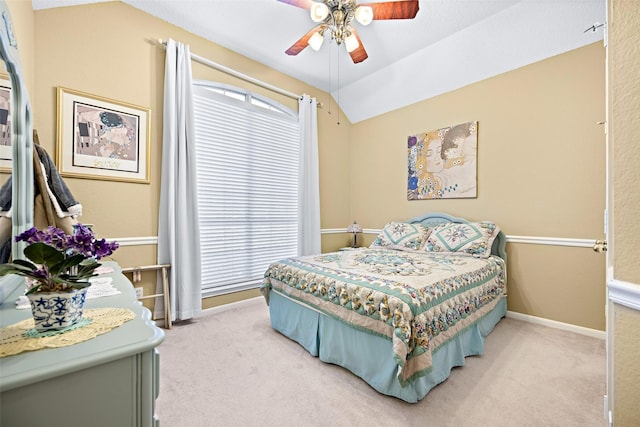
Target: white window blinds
{"type": "Point", "coordinates": [247, 173]}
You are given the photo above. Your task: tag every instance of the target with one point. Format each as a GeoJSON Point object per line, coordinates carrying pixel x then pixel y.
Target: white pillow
{"type": "Point", "coordinates": [474, 239]}
{"type": "Point", "coordinates": [402, 236]}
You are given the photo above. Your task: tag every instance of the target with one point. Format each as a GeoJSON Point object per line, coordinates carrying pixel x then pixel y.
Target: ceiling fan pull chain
{"type": "Point", "coordinates": [338, 102]}
{"type": "Point", "coordinates": [330, 78]}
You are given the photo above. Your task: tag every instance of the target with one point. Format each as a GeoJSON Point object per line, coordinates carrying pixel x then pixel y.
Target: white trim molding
{"type": "Point", "coordinates": [558, 325]}
{"type": "Point", "coordinates": [553, 241]}
{"type": "Point", "coordinates": [344, 231]}
{"type": "Point", "coordinates": [624, 293]}
{"type": "Point", "coordinates": [535, 240]}
{"type": "Point", "coordinates": [135, 241]}
{"type": "Point", "coordinates": [594, 333]}
{"type": "Point", "coordinates": [333, 231]}
{"type": "Point", "coordinates": [236, 304]}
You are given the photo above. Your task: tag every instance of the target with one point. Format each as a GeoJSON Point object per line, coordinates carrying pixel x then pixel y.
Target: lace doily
{"type": "Point", "coordinates": [22, 336]}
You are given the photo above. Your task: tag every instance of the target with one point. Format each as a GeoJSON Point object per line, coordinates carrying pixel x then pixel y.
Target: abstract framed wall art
{"type": "Point", "coordinates": [101, 138]}
{"type": "Point", "coordinates": [443, 163]}
{"type": "Point", "coordinates": [5, 123]}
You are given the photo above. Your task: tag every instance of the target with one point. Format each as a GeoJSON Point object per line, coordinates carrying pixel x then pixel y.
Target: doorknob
{"type": "Point", "coordinates": [600, 246]}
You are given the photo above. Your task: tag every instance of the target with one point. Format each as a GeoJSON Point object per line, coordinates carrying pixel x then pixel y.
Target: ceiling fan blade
{"type": "Point", "coordinates": [305, 4]}
{"type": "Point", "coordinates": [359, 54]}
{"type": "Point", "coordinates": [303, 42]}
{"type": "Point", "coordinates": [401, 9]}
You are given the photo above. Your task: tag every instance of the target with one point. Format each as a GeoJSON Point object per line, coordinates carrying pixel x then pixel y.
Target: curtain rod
{"type": "Point", "coordinates": [237, 74]}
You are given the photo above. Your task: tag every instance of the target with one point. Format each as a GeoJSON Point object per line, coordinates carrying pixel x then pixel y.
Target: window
{"type": "Point", "coordinates": [247, 173]}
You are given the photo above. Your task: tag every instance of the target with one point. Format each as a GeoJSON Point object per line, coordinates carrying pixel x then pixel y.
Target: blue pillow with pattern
{"type": "Point", "coordinates": [475, 238]}
{"type": "Point", "coordinates": [401, 235]}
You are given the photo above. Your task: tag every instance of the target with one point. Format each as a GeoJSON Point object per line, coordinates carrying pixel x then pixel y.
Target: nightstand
{"type": "Point", "coordinates": [349, 248]}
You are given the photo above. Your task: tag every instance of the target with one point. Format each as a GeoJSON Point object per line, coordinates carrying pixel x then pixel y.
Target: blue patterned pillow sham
{"type": "Point", "coordinates": [402, 236]}
{"type": "Point", "coordinates": [474, 239]}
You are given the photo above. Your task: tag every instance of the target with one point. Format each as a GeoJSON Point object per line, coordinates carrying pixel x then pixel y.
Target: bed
{"type": "Point", "coordinates": [401, 313]}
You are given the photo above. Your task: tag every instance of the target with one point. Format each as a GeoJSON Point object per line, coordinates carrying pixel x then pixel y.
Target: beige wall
{"type": "Point", "coordinates": [626, 375]}
{"type": "Point", "coordinates": [624, 127]}
{"type": "Point", "coordinates": [541, 168]}
{"type": "Point", "coordinates": [624, 136]}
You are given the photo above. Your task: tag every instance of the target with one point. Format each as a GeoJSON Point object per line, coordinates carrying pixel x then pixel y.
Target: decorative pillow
{"type": "Point", "coordinates": [475, 238]}
{"type": "Point", "coordinates": [401, 235]}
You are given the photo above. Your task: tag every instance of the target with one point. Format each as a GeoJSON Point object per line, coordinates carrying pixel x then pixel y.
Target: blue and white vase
{"type": "Point", "coordinates": [57, 310]}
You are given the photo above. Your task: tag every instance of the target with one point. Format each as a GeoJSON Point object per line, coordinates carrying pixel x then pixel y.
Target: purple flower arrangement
{"type": "Point", "coordinates": [57, 261]}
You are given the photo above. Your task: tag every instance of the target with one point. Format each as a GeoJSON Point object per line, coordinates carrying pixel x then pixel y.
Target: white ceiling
{"type": "Point", "coordinates": [450, 43]}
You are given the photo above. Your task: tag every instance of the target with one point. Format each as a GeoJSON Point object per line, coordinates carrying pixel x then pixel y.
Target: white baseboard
{"type": "Point", "coordinates": [512, 314]}
{"type": "Point", "coordinates": [232, 305]}
{"type": "Point", "coordinates": [558, 325]}
{"type": "Point", "coordinates": [222, 308]}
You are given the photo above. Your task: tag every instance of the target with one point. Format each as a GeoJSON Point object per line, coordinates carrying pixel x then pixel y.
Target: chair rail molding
{"type": "Point", "coordinates": [535, 240]}
{"type": "Point", "coordinates": [624, 293]}
{"type": "Point", "coordinates": [135, 241]}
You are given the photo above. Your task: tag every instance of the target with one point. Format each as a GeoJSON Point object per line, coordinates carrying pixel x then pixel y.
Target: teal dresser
{"type": "Point", "coordinates": [111, 380]}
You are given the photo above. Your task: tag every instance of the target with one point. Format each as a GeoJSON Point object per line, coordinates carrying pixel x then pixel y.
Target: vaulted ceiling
{"type": "Point", "coordinates": [448, 45]}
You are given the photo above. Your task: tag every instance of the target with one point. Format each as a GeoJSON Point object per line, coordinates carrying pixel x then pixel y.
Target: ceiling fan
{"type": "Point", "coordinates": [336, 17]}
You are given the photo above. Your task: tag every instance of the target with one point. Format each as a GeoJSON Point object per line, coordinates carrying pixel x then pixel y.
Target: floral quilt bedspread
{"type": "Point", "coordinates": [418, 300]}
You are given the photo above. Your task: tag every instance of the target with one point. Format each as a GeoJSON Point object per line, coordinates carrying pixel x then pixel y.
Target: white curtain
{"type": "Point", "coordinates": [309, 211]}
{"type": "Point", "coordinates": [178, 231]}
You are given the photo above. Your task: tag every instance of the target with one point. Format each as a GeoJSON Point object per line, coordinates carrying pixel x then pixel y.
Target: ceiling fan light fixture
{"type": "Point", "coordinates": [337, 18]}
{"type": "Point", "coordinates": [351, 43]}
{"type": "Point", "coordinates": [315, 41]}
{"type": "Point", "coordinates": [318, 11]}
{"type": "Point", "coordinates": [363, 14]}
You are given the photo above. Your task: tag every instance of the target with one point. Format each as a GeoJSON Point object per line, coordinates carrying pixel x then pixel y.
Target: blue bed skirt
{"type": "Point", "coordinates": [370, 356]}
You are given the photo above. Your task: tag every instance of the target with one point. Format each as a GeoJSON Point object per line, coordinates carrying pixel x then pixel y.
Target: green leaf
{"type": "Point", "coordinates": [41, 253]}
{"type": "Point", "coordinates": [64, 265]}
{"type": "Point", "coordinates": [25, 263]}
{"type": "Point", "coordinates": [87, 267]}
{"type": "Point", "coordinates": [15, 268]}
{"type": "Point", "coordinates": [71, 282]}
{"type": "Point", "coordinates": [33, 289]}
{"type": "Point", "coordinates": [8, 269]}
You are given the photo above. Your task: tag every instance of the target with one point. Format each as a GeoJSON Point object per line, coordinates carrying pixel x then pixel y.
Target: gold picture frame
{"type": "Point", "coordinates": [101, 138]}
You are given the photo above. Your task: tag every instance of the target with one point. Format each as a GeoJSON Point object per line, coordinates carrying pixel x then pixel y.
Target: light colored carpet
{"type": "Point", "coordinates": [232, 369]}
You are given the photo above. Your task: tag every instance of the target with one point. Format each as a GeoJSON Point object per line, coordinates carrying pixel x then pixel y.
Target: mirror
{"type": "Point", "coordinates": [21, 144]}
